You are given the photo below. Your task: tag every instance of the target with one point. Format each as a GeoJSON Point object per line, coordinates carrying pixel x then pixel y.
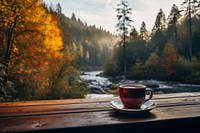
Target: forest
{"type": "Point", "coordinates": [171, 51]}
{"type": "Point", "coordinates": [42, 51]}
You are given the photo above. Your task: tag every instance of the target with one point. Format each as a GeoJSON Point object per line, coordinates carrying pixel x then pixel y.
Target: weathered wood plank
{"type": "Point", "coordinates": [52, 109]}
{"type": "Point", "coordinates": [176, 95]}
{"type": "Point", "coordinates": [50, 102]}
{"type": "Point", "coordinates": [85, 107]}
{"type": "Point", "coordinates": [74, 101]}
{"type": "Point", "coordinates": [178, 111]}
{"type": "Point", "coordinates": [92, 119]}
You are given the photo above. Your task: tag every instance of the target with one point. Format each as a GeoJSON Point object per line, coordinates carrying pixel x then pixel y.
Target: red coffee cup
{"type": "Point", "coordinates": [134, 95]}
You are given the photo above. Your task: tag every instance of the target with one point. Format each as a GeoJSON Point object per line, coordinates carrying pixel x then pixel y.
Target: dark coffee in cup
{"type": "Point", "coordinates": [134, 95]}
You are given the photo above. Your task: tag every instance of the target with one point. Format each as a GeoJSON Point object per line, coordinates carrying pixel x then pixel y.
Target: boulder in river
{"type": "Point", "coordinates": [96, 89]}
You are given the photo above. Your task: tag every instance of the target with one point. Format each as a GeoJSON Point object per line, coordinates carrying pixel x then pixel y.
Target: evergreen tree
{"type": "Point", "coordinates": [58, 9]}
{"type": "Point", "coordinates": [133, 34]}
{"type": "Point", "coordinates": [196, 37]}
{"type": "Point", "coordinates": [191, 7]}
{"type": "Point", "coordinates": [160, 23]}
{"type": "Point", "coordinates": [158, 38]}
{"type": "Point", "coordinates": [73, 17]}
{"type": "Point", "coordinates": [124, 23]}
{"type": "Point", "coordinates": [144, 32]}
{"type": "Point", "coordinates": [172, 24]}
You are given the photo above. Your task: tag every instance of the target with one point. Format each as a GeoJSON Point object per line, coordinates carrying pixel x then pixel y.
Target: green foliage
{"type": "Point", "coordinates": [183, 67]}
{"type": "Point", "coordinates": [195, 67]}
{"type": "Point", "coordinates": [111, 69]}
{"type": "Point", "coordinates": [158, 42]}
{"type": "Point", "coordinates": [188, 71]}
{"type": "Point", "coordinates": [39, 68]}
{"type": "Point", "coordinates": [196, 38]}
{"type": "Point", "coordinates": [123, 25]}
{"type": "Point", "coordinates": [166, 52]}
{"type": "Point", "coordinates": [124, 19]}
{"type": "Point", "coordinates": [75, 91]}
{"type": "Point", "coordinates": [136, 50]}
{"type": "Point", "coordinates": [64, 83]}
{"type": "Point", "coordinates": [137, 69]}
{"type": "Point", "coordinates": [143, 32]}
{"type": "Point", "coordinates": [42, 68]}
{"type": "Point", "coordinates": [152, 66]}
{"type": "Point", "coordinates": [160, 22]}
{"type": "Point", "coordinates": [93, 46]}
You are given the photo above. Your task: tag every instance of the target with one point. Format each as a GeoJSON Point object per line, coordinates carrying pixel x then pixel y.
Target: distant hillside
{"type": "Point", "coordinates": [93, 45]}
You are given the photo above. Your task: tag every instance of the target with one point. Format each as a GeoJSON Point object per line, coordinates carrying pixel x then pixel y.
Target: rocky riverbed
{"type": "Point", "coordinates": [97, 84]}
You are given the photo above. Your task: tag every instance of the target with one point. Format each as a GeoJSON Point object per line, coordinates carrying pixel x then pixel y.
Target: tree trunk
{"type": "Point", "coordinates": [10, 41]}
{"type": "Point", "coordinates": [190, 30]}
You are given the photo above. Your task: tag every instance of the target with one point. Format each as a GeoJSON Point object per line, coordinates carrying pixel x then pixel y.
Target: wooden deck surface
{"type": "Point", "coordinates": [178, 112]}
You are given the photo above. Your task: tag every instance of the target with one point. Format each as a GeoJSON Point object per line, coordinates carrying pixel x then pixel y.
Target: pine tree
{"type": "Point", "coordinates": [133, 34]}
{"type": "Point", "coordinates": [160, 23]}
{"type": "Point", "coordinates": [158, 38]}
{"type": "Point", "coordinates": [172, 24]}
{"type": "Point", "coordinates": [144, 32]}
{"type": "Point", "coordinates": [192, 7]}
{"type": "Point", "coordinates": [58, 9]}
{"type": "Point", "coordinates": [124, 23]}
{"type": "Point", "coordinates": [73, 17]}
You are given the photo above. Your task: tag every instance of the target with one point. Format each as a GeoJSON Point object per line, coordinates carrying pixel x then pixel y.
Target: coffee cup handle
{"type": "Point", "coordinates": [150, 94]}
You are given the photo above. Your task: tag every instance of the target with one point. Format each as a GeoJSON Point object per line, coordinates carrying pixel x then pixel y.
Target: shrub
{"type": "Point", "coordinates": [7, 90]}
{"type": "Point", "coordinates": [152, 67]}
{"type": "Point", "coordinates": [112, 69]}
{"type": "Point", "coordinates": [195, 67]}
{"type": "Point", "coordinates": [66, 85]}
{"type": "Point", "coordinates": [182, 68]}
{"type": "Point", "coordinates": [75, 92]}
{"type": "Point", "coordinates": [137, 69]}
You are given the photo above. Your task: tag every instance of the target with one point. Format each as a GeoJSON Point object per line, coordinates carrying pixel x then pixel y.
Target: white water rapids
{"type": "Point", "coordinates": [100, 85]}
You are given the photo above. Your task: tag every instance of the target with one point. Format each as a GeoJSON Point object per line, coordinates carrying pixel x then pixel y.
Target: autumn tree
{"type": "Point", "coordinates": [13, 23]}
{"type": "Point", "coordinates": [152, 66]}
{"type": "Point", "coordinates": [11, 12]}
{"type": "Point", "coordinates": [20, 21]}
{"type": "Point", "coordinates": [33, 45]}
{"type": "Point", "coordinates": [169, 59]}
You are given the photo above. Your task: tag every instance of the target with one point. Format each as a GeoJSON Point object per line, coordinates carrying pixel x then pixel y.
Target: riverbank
{"type": "Point", "coordinates": [98, 84]}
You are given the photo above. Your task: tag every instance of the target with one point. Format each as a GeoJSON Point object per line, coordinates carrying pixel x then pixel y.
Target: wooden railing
{"type": "Point", "coordinates": [179, 112]}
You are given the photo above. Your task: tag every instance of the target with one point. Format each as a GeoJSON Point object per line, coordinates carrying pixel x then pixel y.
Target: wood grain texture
{"type": "Point", "coordinates": [174, 112]}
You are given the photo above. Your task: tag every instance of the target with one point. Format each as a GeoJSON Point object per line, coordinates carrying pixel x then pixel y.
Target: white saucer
{"type": "Point", "coordinates": [119, 107]}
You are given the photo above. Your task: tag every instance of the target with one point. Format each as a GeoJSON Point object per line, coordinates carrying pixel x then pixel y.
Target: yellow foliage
{"type": "Point", "coordinates": [169, 58]}
{"type": "Point", "coordinates": [36, 50]}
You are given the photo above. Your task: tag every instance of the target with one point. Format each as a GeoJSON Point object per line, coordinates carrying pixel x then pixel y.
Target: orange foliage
{"type": "Point", "coordinates": [37, 43]}
{"type": "Point", "coordinates": [169, 58]}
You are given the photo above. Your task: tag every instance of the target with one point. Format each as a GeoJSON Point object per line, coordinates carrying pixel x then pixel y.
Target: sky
{"type": "Point", "coordinates": [103, 12]}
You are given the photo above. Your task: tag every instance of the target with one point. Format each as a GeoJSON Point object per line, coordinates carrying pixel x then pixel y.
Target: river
{"type": "Point", "coordinates": [100, 85]}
